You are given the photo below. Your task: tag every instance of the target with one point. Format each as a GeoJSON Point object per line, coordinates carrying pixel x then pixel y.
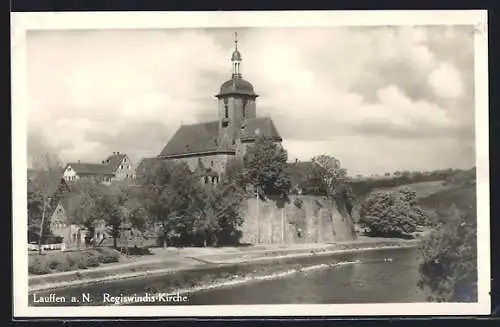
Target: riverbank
{"type": "Point", "coordinates": [202, 261]}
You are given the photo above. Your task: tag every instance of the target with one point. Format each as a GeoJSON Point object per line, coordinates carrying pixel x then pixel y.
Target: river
{"type": "Point", "coordinates": [378, 276]}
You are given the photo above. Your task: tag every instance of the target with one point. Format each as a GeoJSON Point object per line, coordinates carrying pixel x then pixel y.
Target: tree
{"type": "Point", "coordinates": [393, 213]}
{"type": "Point", "coordinates": [83, 203]}
{"type": "Point", "coordinates": [167, 193]}
{"type": "Point", "coordinates": [264, 167]}
{"type": "Point", "coordinates": [111, 206]}
{"type": "Point", "coordinates": [331, 173]}
{"type": "Point", "coordinates": [449, 258]}
{"type": "Point", "coordinates": [219, 216]}
{"type": "Point", "coordinates": [44, 192]}
{"type": "Point", "coordinates": [334, 180]}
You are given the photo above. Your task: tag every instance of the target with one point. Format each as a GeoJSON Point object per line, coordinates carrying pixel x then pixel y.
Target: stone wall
{"type": "Point", "coordinates": [217, 162]}
{"type": "Point", "coordinates": [305, 219]}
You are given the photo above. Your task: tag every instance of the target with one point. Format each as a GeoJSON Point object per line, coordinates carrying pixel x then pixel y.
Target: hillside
{"type": "Point", "coordinates": [433, 195]}
{"type": "Point", "coordinates": [463, 196]}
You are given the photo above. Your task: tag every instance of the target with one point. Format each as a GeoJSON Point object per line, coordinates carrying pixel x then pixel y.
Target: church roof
{"type": "Point", "coordinates": [253, 127]}
{"type": "Point", "coordinates": [236, 85]}
{"type": "Point", "coordinates": [196, 138]}
{"type": "Point", "coordinates": [204, 137]}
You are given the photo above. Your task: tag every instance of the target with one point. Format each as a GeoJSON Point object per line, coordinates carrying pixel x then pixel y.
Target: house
{"type": "Point", "coordinates": [207, 147]}
{"type": "Point", "coordinates": [116, 167]}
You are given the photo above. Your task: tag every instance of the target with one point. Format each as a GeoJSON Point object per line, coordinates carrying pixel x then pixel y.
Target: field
{"type": "Point", "coordinates": [423, 189]}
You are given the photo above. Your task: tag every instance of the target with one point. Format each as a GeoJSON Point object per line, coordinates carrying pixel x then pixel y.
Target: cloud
{"type": "Point", "coordinates": [92, 92]}
{"type": "Point", "coordinates": [446, 81]}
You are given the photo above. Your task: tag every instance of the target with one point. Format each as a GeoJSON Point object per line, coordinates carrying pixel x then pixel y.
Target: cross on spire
{"type": "Point", "coordinates": [236, 58]}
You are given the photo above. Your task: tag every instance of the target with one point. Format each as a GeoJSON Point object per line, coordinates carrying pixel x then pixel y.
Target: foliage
{"type": "Point", "coordinates": [81, 202]}
{"type": "Point", "coordinates": [168, 192]}
{"type": "Point", "coordinates": [111, 206]}
{"type": "Point", "coordinates": [449, 258]}
{"type": "Point", "coordinates": [393, 213]}
{"type": "Point", "coordinates": [264, 168]}
{"type": "Point", "coordinates": [331, 174]}
{"type": "Point", "coordinates": [333, 179]}
{"type": "Point", "coordinates": [219, 217]}
{"type": "Point", "coordinates": [44, 191]}
{"type": "Point", "coordinates": [67, 261]}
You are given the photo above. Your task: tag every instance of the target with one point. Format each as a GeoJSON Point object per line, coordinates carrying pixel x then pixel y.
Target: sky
{"type": "Point", "coordinates": [379, 99]}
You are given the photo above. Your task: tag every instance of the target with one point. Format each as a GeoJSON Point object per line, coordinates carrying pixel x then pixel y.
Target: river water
{"type": "Point", "coordinates": [378, 276]}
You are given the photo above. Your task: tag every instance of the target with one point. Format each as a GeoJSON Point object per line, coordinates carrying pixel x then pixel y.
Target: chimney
{"type": "Point", "coordinates": [103, 162]}
{"type": "Point", "coordinates": [114, 152]}
{"type": "Point", "coordinates": [78, 161]}
{"type": "Point", "coordinates": [296, 160]}
{"type": "Point", "coordinates": [118, 152]}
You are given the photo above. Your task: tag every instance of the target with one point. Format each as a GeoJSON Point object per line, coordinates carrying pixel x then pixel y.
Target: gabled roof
{"type": "Point", "coordinates": [253, 127]}
{"type": "Point", "coordinates": [114, 161]}
{"type": "Point", "coordinates": [194, 138]}
{"type": "Point", "coordinates": [90, 169]}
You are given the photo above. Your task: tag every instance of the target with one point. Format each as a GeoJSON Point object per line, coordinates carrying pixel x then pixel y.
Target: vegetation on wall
{"type": "Point", "coordinates": [264, 170]}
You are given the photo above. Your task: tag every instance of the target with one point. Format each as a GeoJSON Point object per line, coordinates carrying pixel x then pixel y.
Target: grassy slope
{"type": "Point", "coordinates": [461, 195]}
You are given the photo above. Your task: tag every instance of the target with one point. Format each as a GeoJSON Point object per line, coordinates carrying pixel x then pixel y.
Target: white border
{"type": "Point", "coordinates": [21, 22]}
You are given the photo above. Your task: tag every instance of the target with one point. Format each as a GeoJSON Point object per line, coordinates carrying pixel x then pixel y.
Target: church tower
{"type": "Point", "coordinates": [236, 100]}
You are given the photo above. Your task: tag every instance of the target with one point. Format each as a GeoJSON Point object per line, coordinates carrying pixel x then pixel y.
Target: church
{"type": "Point", "coordinates": [207, 147]}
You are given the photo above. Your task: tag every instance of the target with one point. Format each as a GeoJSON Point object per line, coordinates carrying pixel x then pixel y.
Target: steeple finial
{"type": "Point", "coordinates": [236, 58]}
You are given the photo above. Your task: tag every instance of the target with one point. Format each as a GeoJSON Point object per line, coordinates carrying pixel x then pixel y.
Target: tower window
{"type": "Point", "coordinates": [244, 111]}
{"type": "Point", "coordinates": [211, 163]}
{"type": "Point", "coordinates": [226, 112]}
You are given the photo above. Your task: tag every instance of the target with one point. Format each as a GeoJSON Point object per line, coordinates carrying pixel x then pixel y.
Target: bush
{"type": "Point", "coordinates": [89, 259]}
{"type": "Point", "coordinates": [38, 266]}
{"type": "Point", "coordinates": [108, 255]}
{"type": "Point", "coordinates": [134, 250]}
{"type": "Point", "coordinates": [393, 213]}
{"type": "Point", "coordinates": [67, 261]}
{"type": "Point", "coordinates": [449, 258]}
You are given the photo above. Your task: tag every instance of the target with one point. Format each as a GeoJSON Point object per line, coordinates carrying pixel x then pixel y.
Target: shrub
{"type": "Point", "coordinates": [137, 251]}
{"type": "Point", "coordinates": [393, 213]}
{"type": "Point", "coordinates": [38, 265]}
{"type": "Point", "coordinates": [449, 258]}
{"type": "Point", "coordinates": [90, 259]}
{"type": "Point", "coordinates": [67, 261]}
{"type": "Point", "coordinates": [108, 255]}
